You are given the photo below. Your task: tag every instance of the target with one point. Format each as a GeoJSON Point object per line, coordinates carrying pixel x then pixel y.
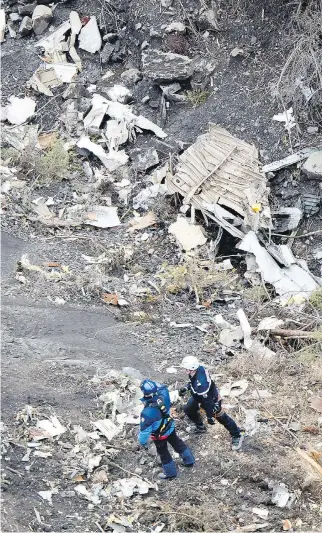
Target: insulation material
{"type": "Point", "coordinates": [221, 169]}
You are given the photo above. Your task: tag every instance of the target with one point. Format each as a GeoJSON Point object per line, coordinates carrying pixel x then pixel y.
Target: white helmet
{"type": "Point", "coordinates": [190, 362]}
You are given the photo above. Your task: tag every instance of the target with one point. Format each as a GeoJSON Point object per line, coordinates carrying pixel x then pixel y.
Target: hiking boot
{"type": "Point", "coordinates": [237, 442]}
{"type": "Point", "coordinates": [200, 428]}
{"type": "Point", "coordinates": [164, 476]}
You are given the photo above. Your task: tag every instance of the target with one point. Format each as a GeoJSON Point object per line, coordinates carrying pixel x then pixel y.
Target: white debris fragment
{"type": "Point", "coordinates": [177, 27]}
{"type": "Point", "coordinates": [65, 72]}
{"type": "Point", "coordinates": [107, 428]}
{"type": "Point", "coordinates": [111, 160]}
{"type": "Point", "coordinates": [93, 495]}
{"type": "Point", "coordinates": [228, 337]}
{"type": "Point", "coordinates": [2, 24]}
{"type": "Point", "coordinates": [189, 236]}
{"type": "Point", "coordinates": [47, 495]}
{"type": "Point", "coordinates": [96, 115]}
{"type": "Point", "coordinates": [171, 370]}
{"type": "Point", "coordinates": [116, 133]}
{"type": "Point", "coordinates": [286, 117]}
{"type": "Point", "coordinates": [263, 513]}
{"type": "Point", "coordinates": [288, 160]}
{"type": "Point", "coordinates": [269, 322]}
{"type": "Point", "coordinates": [245, 325]}
{"type": "Point", "coordinates": [20, 109]}
{"type": "Point", "coordinates": [52, 428]}
{"type": "Point", "coordinates": [43, 455]}
{"type": "Point", "coordinates": [251, 424]}
{"type": "Point", "coordinates": [119, 93]}
{"type": "Point", "coordinates": [146, 124]}
{"type": "Point", "coordinates": [174, 396]}
{"type": "Point", "coordinates": [101, 216]}
{"type": "Point", "coordinates": [90, 38]}
{"type": "Point", "coordinates": [237, 388]}
{"type": "Point", "coordinates": [75, 22]}
{"type": "Point", "coordinates": [281, 496]}
{"type": "Point", "coordinates": [142, 199]}
{"type": "Point", "coordinates": [52, 42]}
{"type": "Point", "coordinates": [289, 282]}
{"type": "Point", "coordinates": [126, 487]}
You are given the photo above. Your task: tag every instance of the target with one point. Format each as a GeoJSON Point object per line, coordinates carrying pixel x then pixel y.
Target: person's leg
{"type": "Point", "coordinates": [169, 467]}
{"type": "Point", "coordinates": [181, 448]}
{"type": "Point", "coordinates": [191, 409]}
{"type": "Point", "coordinates": [231, 426]}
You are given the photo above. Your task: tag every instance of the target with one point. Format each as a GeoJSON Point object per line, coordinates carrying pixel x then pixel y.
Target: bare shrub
{"type": "Point", "coordinates": [300, 81]}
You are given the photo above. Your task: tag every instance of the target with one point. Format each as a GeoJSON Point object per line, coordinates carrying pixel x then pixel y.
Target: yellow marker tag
{"type": "Point", "coordinates": [256, 208]}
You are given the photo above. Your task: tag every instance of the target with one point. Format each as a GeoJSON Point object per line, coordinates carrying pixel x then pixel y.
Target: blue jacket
{"type": "Point", "coordinates": [204, 390]}
{"type": "Point", "coordinates": [152, 417]}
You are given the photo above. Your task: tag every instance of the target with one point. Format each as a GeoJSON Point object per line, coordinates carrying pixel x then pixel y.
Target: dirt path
{"type": "Point", "coordinates": [45, 345]}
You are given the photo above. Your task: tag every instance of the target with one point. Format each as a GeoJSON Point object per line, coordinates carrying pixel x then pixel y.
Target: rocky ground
{"type": "Point", "coordinates": [80, 301]}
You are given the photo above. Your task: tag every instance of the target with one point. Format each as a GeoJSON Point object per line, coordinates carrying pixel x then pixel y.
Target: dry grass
{"type": "Point", "coordinates": [196, 97]}
{"type": "Point", "coordinates": [54, 164]}
{"type": "Point", "coordinates": [300, 81]}
{"type": "Point", "coordinates": [190, 275]}
{"type": "Point", "coordinates": [316, 299]}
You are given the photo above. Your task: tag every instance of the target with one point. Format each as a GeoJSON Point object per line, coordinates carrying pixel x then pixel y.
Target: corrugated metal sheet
{"type": "Point", "coordinates": [221, 169]}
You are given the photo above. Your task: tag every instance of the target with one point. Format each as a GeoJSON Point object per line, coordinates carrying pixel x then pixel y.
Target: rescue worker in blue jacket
{"type": "Point", "coordinates": [205, 394]}
{"type": "Point", "coordinates": [157, 424]}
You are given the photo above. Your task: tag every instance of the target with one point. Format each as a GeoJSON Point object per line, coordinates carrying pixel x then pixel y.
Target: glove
{"type": "Point", "coordinates": [217, 407]}
{"type": "Point", "coordinates": [211, 421]}
{"type": "Point", "coordinates": [183, 391]}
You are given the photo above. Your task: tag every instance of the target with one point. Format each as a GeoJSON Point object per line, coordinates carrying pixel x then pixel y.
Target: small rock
{"type": "Point", "coordinates": [144, 45]}
{"type": "Point", "coordinates": [131, 76]}
{"type": "Point", "coordinates": [144, 158]}
{"type": "Point", "coordinates": [14, 17]}
{"type": "Point", "coordinates": [106, 53]}
{"type": "Point", "coordinates": [253, 40]}
{"type": "Point", "coordinates": [145, 99]}
{"type": "Point", "coordinates": [41, 18]}
{"type": "Point", "coordinates": [207, 20]}
{"type": "Point", "coordinates": [110, 37]}
{"type": "Point", "coordinates": [154, 33]}
{"type": "Point", "coordinates": [166, 3]}
{"type": "Point", "coordinates": [177, 27]}
{"type": "Point", "coordinates": [132, 372]}
{"type": "Point", "coordinates": [27, 9]}
{"type": "Point", "coordinates": [313, 165]}
{"type": "Point", "coordinates": [312, 129]}
{"type": "Point", "coordinates": [25, 26]}
{"type": "Point", "coordinates": [138, 26]}
{"type": "Point", "coordinates": [162, 67]}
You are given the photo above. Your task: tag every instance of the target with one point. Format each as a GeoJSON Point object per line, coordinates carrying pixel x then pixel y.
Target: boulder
{"type": "Point", "coordinates": [41, 18]}
{"type": "Point", "coordinates": [165, 66]}
{"type": "Point", "coordinates": [313, 166]}
{"type": "Point", "coordinates": [131, 76]}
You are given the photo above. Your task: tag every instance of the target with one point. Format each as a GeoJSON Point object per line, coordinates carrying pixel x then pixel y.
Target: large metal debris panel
{"type": "Point", "coordinates": [221, 169]}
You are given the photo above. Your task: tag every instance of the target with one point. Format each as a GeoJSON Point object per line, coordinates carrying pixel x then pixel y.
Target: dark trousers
{"type": "Point", "coordinates": [192, 410]}
{"type": "Point", "coordinates": [162, 447]}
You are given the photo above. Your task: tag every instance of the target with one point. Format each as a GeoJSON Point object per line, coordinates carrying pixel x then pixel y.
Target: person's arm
{"type": "Point", "coordinates": [149, 422]}
{"type": "Point", "coordinates": [184, 389]}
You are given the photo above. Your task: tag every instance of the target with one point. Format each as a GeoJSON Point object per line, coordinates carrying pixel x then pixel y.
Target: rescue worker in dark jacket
{"type": "Point", "coordinates": [205, 394]}
{"type": "Point", "coordinates": [157, 424]}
